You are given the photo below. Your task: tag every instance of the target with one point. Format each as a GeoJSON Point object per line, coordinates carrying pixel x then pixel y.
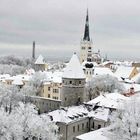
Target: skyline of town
{"type": "Point", "coordinates": [57, 28]}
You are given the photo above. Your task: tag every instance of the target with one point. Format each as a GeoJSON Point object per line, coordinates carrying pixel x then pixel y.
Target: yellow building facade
{"type": "Point", "coordinates": [51, 90]}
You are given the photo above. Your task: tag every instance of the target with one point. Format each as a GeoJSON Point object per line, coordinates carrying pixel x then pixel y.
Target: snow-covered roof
{"type": "Point", "coordinates": [74, 69]}
{"type": "Point", "coordinates": [74, 113]}
{"type": "Point", "coordinates": [40, 60]}
{"type": "Point", "coordinates": [4, 76]}
{"type": "Point", "coordinates": [136, 78]}
{"type": "Point", "coordinates": [44, 98]}
{"type": "Point", "coordinates": [23, 77]}
{"type": "Point", "coordinates": [102, 71]}
{"type": "Point", "coordinates": [94, 135]}
{"type": "Point", "coordinates": [55, 77]}
{"type": "Point", "coordinates": [110, 100]}
{"type": "Point", "coordinates": [100, 113]}
{"type": "Point", "coordinates": [107, 62]}
{"type": "Point", "coordinates": [123, 71]}
{"type": "Point", "coordinates": [127, 86]}
{"type": "Point", "coordinates": [69, 114]}
{"type": "Point", "coordinates": [17, 81]}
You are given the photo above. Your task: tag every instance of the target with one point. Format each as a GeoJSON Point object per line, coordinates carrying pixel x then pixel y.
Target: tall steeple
{"type": "Point", "coordinates": [86, 43]}
{"type": "Point", "coordinates": [86, 33]}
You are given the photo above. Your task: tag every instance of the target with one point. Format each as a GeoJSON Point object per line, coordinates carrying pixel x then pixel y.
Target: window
{"type": "Point", "coordinates": [78, 127]}
{"type": "Point", "coordinates": [89, 47]}
{"type": "Point", "coordinates": [65, 98]}
{"type": "Point", "coordinates": [79, 82]}
{"type": "Point", "coordinates": [93, 125]}
{"type": "Point", "coordinates": [70, 82]}
{"type": "Point", "coordinates": [89, 55]}
{"type": "Point", "coordinates": [55, 90]}
{"type": "Point", "coordinates": [58, 129]}
{"type": "Point", "coordinates": [82, 125]}
{"type": "Point", "coordinates": [48, 95]}
{"type": "Point", "coordinates": [87, 124]}
{"type": "Point", "coordinates": [99, 126]}
{"type": "Point", "coordinates": [49, 88]}
{"type": "Point", "coordinates": [73, 129]}
{"type": "Point", "coordinates": [79, 100]}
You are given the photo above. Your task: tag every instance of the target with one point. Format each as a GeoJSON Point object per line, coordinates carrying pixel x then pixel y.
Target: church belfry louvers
{"type": "Point", "coordinates": [86, 43]}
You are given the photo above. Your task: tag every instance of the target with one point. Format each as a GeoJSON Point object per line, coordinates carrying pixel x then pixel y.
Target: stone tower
{"type": "Point", "coordinates": [86, 43]}
{"type": "Point", "coordinates": [73, 83]}
{"type": "Point", "coordinates": [33, 51]}
{"type": "Point", "coordinates": [40, 63]}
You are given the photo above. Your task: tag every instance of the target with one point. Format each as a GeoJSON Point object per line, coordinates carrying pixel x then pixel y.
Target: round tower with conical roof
{"type": "Point", "coordinates": [73, 83]}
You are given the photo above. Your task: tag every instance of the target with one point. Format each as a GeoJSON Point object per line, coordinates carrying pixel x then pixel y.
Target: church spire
{"type": "Point", "coordinates": [86, 33]}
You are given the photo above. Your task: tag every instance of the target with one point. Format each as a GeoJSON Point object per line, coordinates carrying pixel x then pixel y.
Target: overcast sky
{"type": "Point", "coordinates": [57, 26]}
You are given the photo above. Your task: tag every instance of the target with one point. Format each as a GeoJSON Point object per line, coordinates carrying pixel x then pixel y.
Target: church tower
{"type": "Point", "coordinates": [73, 83]}
{"type": "Point", "coordinates": [86, 43]}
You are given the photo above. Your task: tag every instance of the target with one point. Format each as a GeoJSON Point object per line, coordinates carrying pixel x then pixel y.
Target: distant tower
{"type": "Point", "coordinates": [33, 51]}
{"type": "Point", "coordinates": [40, 63]}
{"type": "Point", "coordinates": [73, 83]}
{"type": "Point", "coordinates": [86, 43]}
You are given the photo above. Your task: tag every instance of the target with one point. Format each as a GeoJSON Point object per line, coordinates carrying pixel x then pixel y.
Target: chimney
{"type": "Point", "coordinates": [33, 51]}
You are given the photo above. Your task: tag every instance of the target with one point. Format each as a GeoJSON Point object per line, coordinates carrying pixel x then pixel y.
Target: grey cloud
{"type": "Point", "coordinates": [60, 24]}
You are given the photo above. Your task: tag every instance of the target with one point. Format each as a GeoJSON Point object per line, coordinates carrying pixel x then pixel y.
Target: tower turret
{"type": "Point", "coordinates": [73, 83]}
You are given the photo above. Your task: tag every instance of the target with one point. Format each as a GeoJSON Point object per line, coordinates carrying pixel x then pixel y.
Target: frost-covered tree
{"type": "Point", "coordinates": [24, 123]}
{"type": "Point", "coordinates": [125, 124]}
{"type": "Point", "coordinates": [28, 90]}
{"type": "Point", "coordinates": [11, 69]}
{"type": "Point", "coordinates": [13, 65]}
{"type": "Point", "coordinates": [14, 60]}
{"type": "Point", "coordinates": [36, 82]}
{"type": "Point", "coordinates": [102, 83]}
{"type": "Point", "coordinates": [9, 96]}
